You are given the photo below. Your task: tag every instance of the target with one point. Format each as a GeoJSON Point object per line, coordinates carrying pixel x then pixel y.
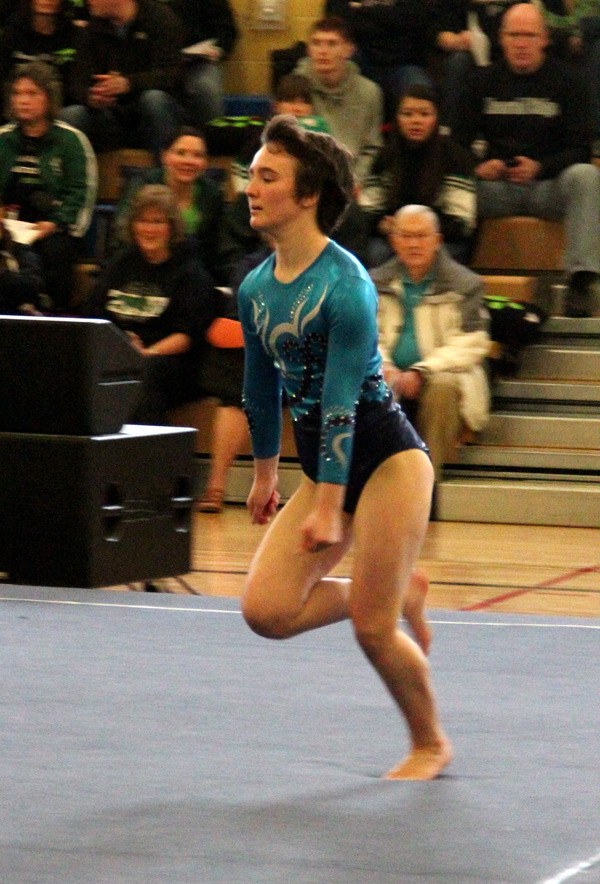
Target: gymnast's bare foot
{"type": "Point", "coordinates": [425, 763]}
{"type": "Point", "coordinates": [413, 610]}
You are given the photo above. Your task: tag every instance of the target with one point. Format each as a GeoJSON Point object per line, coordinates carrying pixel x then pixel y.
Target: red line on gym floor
{"type": "Point", "coordinates": [553, 581]}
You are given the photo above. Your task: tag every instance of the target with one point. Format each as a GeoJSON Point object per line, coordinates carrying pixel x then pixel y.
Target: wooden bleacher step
{"type": "Point", "coordinates": [538, 460]}
{"type": "Point", "coordinates": [514, 286]}
{"type": "Point", "coordinates": [526, 502]}
{"type": "Point", "coordinates": [546, 396]}
{"type": "Point", "coordinates": [505, 461]}
{"type": "Point", "coordinates": [239, 480]}
{"type": "Point", "coordinates": [519, 244]}
{"type": "Point", "coordinates": [564, 329]}
{"type": "Point", "coordinates": [566, 363]}
{"type": "Point", "coordinates": [522, 429]}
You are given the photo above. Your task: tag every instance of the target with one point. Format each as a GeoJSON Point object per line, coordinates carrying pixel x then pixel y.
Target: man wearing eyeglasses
{"type": "Point", "coordinates": [433, 335]}
{"type": "Point", "coordinates": [536, 119]}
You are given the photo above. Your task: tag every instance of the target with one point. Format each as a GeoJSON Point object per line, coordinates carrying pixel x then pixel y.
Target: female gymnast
{"type": "Point", "coordinates": [309, 319]}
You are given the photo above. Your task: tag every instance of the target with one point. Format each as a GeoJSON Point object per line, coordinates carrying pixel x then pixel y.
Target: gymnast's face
{"type": "Point", "coordinates": [271, 191]}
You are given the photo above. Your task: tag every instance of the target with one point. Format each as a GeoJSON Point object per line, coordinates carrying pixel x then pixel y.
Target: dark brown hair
{"type": "Point", "coordinates": [332, 24]}
{"type": "Point", "coordinates": [185, 132]}
{"type": "Point", "coordinates": [397, 156]}
{"type": "Point", "coordinates": [293, 86]}
{"type": "Point", "coordinates": [45, 78]}
{"type": "Point", "coordinates": [324, 168]}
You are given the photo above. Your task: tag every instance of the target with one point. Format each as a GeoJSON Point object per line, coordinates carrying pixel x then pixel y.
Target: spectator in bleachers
{"type": "Point", "coordinates": [158, 292]}
{"type": "Point", "coordinates": [200, 200]}
{"type": "Point", "coordinates": [536, 121]}
{"type": "Point", "coordinates": [7, 8]}
{"type": "Point", "coordinates": [39, 30]}
{"type": "Point", "coordinates": [20, 282]}
{"type": "Point", "coordinates": [468, 35]}
{"type": "Point", "coordinates": [210, 35]}
{"type": "Point", "coordinates": [433, 335]}
{"type": "Point", "coordinates": [293, 95]}
{"type": "Point", "coordinates": [48, 175]}
{"type": "Point", "coordinates": [393, 40]}
{"type": "Point", "coordinates": [350, 104]}
{"type": "Point", "coordinates": [421, 165]}
{"type": "Point", "coordinates": [461, 22]}
{"type": "Point", "coordinates": [581, 28]}
{"type": "Point", "coordinates": [125, 75]}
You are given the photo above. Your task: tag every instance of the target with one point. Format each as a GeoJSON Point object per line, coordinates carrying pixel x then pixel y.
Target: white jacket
{"type": "Point", "coordinates": [450, 325]}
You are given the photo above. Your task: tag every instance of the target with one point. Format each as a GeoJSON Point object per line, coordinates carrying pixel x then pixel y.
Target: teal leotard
{"type": "Point", "coordinates": [316, 338]}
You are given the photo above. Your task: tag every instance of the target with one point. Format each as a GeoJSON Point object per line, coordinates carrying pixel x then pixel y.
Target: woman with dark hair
{"type": "Point", "coordinates": [48, 173]}
{"type": "Point", "coordinates": [40, 30]}
{"type": "Point", "coordinates": [200, 201]}
{"type": "Point", "coordinates": [422, 166]}
{"type": "Point", "coordinates": [309, 318]}
{"type": "Point", "coordinates": [159, 293]}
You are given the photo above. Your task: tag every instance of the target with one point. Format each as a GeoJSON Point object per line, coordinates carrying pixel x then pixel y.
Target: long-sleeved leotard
{"type": "Point", "coordinates": [315, 337]}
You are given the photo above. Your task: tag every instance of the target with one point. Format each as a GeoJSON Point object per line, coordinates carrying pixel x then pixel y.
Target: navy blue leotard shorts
{"type": "Point", "coordinates": [382, 429]}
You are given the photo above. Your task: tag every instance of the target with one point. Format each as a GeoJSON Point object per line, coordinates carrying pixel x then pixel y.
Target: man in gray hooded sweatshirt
{"type": "Point", "coordinates": [351, 105]}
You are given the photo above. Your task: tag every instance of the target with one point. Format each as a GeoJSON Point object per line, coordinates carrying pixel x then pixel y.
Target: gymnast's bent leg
{"type": "Point", "coordinates": [287, 589]}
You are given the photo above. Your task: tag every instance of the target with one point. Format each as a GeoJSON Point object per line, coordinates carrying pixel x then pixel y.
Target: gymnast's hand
{"type": "Point", "coordinates": [324, 525]}
{"type": "Point", "coordinates": [263, 501]}
{"type": "Point", "coordinates": [320, 531]}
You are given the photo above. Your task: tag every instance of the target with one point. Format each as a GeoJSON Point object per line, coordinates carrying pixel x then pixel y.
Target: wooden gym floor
{"type": "Point", "coordinates": [472, 567]}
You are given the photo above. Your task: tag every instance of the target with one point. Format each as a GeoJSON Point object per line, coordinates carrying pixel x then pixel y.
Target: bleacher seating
{"type": "Point", "coordinates": [508, 244]}
{"type": "Point", "coordinates": [247, 105]}
{"type": "Point", "coordinates": [516, 287]}
{"type": "Point", "coordinates": [519, 243]}
{"type": "Point", "coordinates": [505, 247]}
{"type": "Point", "coordinates": [114, 167]}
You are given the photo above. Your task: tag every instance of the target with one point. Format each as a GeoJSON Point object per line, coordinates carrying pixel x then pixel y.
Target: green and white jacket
{"type": "Point", "coordinates": [68, 171]}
